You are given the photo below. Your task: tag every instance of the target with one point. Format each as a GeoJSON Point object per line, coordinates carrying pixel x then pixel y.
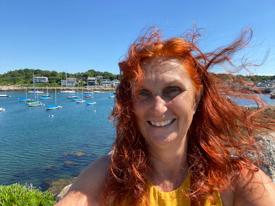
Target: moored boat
{"type": "Point", "coordinates": [80, 101]}
{"type": "Point", "coordinates": [90, 103]}
{"type": "Point", "coordinates": [24, 99]}
{"type": "Point", "coordinates": [67, 91]}
{"type": "Point", "coordinates": [35, 92]}
{"type": "Point", "coordinates": [72, 97]}
{"type": "Point", "coordinates": [4, 95]}
{"type": "Point", "coordinates": [88, 96]}
{"type": "Point", "coordinates": [53, 107]}
{"type": "Point", "coordinates": [35, 104]}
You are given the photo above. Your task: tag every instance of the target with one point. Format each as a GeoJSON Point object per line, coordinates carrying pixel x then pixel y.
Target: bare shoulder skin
{"type": "Point", "coordinates": [87, 188]}
{"type": "Point", "coordinates": [260, 191]}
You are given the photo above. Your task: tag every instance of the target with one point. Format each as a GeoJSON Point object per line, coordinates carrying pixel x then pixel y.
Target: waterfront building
{"type": "Point", "coordinates": [68, 82]}
{"type": "Point", "coordinates": [92, 81]}
{"type": "Point", "coordinates": [106, 82]}
{"type": "Point", "coordinates": [115, 83]}
{"type": "Point", "coordinates": [40, 79]}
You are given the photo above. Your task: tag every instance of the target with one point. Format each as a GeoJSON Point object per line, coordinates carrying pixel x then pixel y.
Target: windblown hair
{"type": "Point", "coordinates": [221, 138]}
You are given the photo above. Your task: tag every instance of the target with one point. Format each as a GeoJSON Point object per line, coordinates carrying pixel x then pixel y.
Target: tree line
{"type": "Point", "coordinates": [24, 77]}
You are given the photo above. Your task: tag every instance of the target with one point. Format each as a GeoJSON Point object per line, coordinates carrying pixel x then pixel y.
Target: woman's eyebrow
{"type": "Point", "coordinates": [175, 83]}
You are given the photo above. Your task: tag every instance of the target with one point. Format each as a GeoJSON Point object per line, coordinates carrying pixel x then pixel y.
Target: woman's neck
{"type": "Point", "coordinates": [168, 164]}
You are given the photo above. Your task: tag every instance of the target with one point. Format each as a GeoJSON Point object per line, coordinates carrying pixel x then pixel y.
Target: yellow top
{"type": "Point", "coordinates": [175, 197]}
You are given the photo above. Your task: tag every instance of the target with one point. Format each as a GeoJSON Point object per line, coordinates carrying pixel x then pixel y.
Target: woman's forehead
{"type": "Point", "coordinates": [161, 72]}
{"type": "Point", "coordinates": [160, 68]}
{"type": "Point", "coordinates": [161, 62]}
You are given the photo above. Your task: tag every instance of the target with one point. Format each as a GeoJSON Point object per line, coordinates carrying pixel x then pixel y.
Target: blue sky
{"type": "Point", "coordinates": [77, 35]}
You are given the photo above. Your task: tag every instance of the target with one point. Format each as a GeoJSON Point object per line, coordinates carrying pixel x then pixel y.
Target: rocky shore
{"type": "Point", "coordinates": [267, 143]}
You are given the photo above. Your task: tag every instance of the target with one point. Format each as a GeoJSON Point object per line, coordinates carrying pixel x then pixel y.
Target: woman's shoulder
{"type": "Point", "coordinates": [254, 190]}
{"type": "Point", "coordinates": [87, 188]}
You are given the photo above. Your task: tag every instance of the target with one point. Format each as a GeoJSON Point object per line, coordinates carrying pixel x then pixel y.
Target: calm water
{"type": "Point", "coordinates": [37, 146]}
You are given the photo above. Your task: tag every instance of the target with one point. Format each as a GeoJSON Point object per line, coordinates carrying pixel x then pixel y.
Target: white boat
{"type": "Point", "coordinates": [98, 92]}
{"type": "Point", "coordinates": [35, 104]}
{"type": "Point", "coordinates": [35, 92]}
{"type": "Point", "coordinates": [80, 101]}
{"type": "Point", "coordinates": [67, 91]}
{"type": "Point", "coordinates": [72, 97]}
{"type": "Point", "coordinates": [2, 109]}
{"type": "Point", "coordinates": [4, 95]}
{"type": "Point", "coordinates": [90, 103]}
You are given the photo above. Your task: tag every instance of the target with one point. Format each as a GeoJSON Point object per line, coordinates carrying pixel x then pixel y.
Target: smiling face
{"type": "Point", "coordinates": [164, 102]}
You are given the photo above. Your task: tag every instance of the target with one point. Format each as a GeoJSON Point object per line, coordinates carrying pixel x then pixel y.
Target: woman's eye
{"type": "Point", "coordinates": [171, 92]}
{"type": "Point", "coordinates": [143, 94]}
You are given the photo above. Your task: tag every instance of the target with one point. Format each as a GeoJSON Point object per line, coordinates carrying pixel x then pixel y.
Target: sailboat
{"type": "Point", "coordinates": [45, 96]}
{"type": "Point", "coordinates": [80, 101]}
{"type": "Point", "coordinates": [35, 102]}
{"type": "Point", "coordinates": [54, 106]}
{"type": "Point", "coordinates": [25, 99]}
{"type": "Point", "coordinates": [2, 109]}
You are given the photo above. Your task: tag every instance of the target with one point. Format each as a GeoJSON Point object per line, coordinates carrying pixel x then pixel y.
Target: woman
{"type": "Point", "coordinates": [179, 138]}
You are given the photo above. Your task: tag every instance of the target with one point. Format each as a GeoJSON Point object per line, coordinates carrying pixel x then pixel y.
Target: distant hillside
{"type": "Point", "coordinates": [24, 76]}
{"type": "Point", "coordinates": [254, 78]}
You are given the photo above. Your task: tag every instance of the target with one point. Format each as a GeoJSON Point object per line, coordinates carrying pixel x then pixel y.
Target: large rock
{"type": "Point", "coordinates": [268, 148]}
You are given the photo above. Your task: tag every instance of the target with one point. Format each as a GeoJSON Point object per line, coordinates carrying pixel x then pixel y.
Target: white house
{"type": "Point", "coordinates": [40, 80]}
{"type": "Point", "coordinates": [69, 82]}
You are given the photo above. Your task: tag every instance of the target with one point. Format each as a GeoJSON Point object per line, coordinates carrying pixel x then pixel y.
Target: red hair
{"type": "Point", "coordinates": [221, 139]}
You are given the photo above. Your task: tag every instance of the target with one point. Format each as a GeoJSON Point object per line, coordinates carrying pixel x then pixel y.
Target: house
{"type": "Point", "coordinates": [69, 82]}
{"type": "Point", "coordinates": [115, 83]}
{"type": "Point", "coordinates": [40, 80]}
{"type": "Point", "coordinates": [92, 81]}
{"type": "Point", "coordinates": [106, 82]}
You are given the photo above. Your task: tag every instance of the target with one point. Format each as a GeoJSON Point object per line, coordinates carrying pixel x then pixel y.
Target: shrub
{"type": "Point", "coordinates": [20, 195]}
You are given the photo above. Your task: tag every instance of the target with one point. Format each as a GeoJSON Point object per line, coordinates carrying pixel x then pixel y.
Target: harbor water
{"type": "Point", "coordinates": [38, 146]}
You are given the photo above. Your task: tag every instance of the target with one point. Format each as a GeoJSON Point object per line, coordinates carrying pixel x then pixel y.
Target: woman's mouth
{"type": "Point", "coordinates": [161, 123]}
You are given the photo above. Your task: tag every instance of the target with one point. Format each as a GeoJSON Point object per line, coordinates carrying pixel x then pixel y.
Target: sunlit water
{"type": "Point", "coordinates": [38, 146]}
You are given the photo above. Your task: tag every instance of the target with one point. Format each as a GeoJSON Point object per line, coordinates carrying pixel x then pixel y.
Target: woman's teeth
{"type": "Point", "coordinates": [162, 123]}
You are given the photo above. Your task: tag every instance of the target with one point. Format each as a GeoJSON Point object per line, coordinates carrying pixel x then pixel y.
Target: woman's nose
{"type": "Point", "coordinates": [159, 106]}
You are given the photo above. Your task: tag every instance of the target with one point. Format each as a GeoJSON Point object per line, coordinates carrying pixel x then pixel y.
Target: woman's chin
{"type": "Point", "coordinates": [163, 139]}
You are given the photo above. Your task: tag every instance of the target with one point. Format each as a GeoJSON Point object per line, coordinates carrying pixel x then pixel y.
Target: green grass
{"type": "Point", "coordinates": [20, 195]}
